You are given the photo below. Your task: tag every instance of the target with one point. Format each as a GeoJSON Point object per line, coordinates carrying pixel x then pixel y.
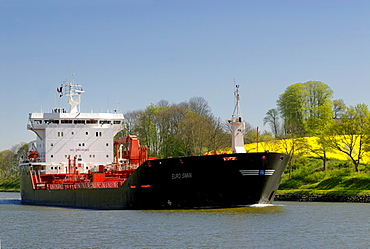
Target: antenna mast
{"type": "Point", "coordinates": [237, 125]}
{"type": "Point", "coordinates": [73, 91]}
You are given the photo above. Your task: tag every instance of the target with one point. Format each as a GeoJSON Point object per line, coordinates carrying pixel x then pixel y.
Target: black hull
{"type": "Point", "coordinates": [190, 182]}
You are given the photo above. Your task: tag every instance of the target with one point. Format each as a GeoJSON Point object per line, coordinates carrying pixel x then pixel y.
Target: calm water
{"type": "Point", "coordinates": [283, 225]}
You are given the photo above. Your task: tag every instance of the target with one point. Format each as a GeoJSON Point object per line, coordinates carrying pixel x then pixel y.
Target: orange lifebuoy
{"type": "Point", "coordinates": [33, 154]}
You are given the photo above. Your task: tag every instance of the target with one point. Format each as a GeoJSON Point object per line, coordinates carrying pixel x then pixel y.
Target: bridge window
{"type": "Point", "coordinates": [79, 121]}
{"type": "Point", "coordinates": [66, 121]}
{"type": "Point", "coordinates": [51, 121]}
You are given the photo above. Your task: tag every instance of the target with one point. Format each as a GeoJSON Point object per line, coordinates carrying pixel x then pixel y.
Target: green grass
{"type": "Point", "coordinates": [324, 192]}
{"type": "Point", "coordinates": [308, 177]}
{"type": "Point", "coordinates": [9, 184]}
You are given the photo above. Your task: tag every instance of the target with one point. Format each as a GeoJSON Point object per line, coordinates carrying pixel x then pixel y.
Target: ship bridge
{"type": "Point", "coordinates": [65, 134]}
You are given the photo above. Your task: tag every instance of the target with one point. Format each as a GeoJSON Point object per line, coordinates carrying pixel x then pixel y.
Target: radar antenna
{"type": "Point", "coordinates": [73, 91]}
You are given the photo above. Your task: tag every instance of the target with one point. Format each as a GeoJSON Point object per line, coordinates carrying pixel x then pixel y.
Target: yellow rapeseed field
{"type": "Point", "coordinates": [304, 146]}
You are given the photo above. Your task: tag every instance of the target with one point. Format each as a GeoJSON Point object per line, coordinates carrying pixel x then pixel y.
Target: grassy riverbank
{"type": "Point", "coordinates": [308, 181]}
{"type": "Point", "coordinates": [309, 195]}
{"type": "Point", "coordinates": [9, 184]}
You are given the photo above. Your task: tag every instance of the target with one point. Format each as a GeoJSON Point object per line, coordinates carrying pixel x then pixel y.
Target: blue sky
{"type": "Point", "coordinates": [130, 53]}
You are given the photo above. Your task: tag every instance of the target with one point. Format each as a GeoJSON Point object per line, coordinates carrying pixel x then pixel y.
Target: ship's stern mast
{"type": "Point", "coordinates": [237, 126]}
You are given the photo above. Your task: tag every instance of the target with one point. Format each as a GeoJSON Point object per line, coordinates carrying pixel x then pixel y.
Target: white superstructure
{"type": "Point", "coordinates": [61, 135]}
{"type": "Point", "coordinates": [237, 126]}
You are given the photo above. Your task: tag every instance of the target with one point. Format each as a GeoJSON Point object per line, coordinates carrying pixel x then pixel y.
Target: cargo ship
{"type": "Point", "coordinates": [75, 162]}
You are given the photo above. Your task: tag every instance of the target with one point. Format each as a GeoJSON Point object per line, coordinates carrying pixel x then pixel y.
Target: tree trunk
{"type": "Point", "coordinates": [324, 161]}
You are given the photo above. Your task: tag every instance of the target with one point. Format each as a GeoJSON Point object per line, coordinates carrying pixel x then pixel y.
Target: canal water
{"type": "Point", "coordinates": [282, 225]}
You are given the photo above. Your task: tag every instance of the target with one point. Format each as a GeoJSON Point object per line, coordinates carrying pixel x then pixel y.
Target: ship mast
{"type": "Point", "coordinates": [73, 91]}
{"type": "Point", "coordinates": [237, 126]}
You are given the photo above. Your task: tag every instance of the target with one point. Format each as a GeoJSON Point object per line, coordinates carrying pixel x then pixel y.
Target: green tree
{"type": "Point", "coordinates": [351, 134]}
{"type": "Point", "coordinates": [6, 161]}
{"type": "Point", "coordinates": [295, 148]}
{"type": "Point", "coordinates": [183, 129]}
{"type": "Point", "coordinates": [272, 118]}
{"type": "Point", "coordinates": [147, 129]}
{"type": "Point", "coordinates": [9, 160]}
{"type": "Point", "coordinates": [323, 147]}
{"type": "Point", "coordinates": [319, 109]}
{"type": "Point", "coordinates": [305, 107]}
{"type": "Point", "coordinates": [291, 107]}
{"type": "Point", "coordinates": [168, 122]}
{"type": "Point", "coordinates": [338, 108]}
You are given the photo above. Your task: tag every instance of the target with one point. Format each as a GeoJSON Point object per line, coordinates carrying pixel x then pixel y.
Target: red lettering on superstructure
{"type": "Point", "coordinates": [82, 149]}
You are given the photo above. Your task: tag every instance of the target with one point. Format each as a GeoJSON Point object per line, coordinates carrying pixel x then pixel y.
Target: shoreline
{"type": "Point", "coordinates": [323, 198]}
{"type": "Point", "coordinates": [301, 197]}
